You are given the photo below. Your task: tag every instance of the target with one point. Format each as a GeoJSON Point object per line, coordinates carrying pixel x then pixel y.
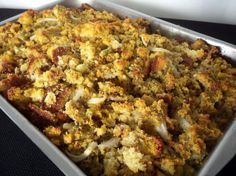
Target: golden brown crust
{"type": "Point", "coordinates": [114, 96]}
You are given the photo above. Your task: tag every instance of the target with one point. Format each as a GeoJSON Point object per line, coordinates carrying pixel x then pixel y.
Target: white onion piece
{"type": "Point", "coordinates": [184, 124]}
{"type": "Point", "coordinates": [32, 37]}
{"type": "Point", "coordinates": [68, 126]}
{"type": "Point", "coordinates": [63, 46]}
{"type": "Point", "coordinates": [47, 20]}
{"type": "Point", "coordinates": [115, 44]}
{"type": "Point", "coordinates": [160, 50]}
{"type": "Point", "coordinates": [78, 94]}
{"type": "Point", "coordinates": [85, 154]}
{"type": "Point", "coordinates": [162, 131]}
{"type": "Point", "coordinates": [113, 142]}
{"type": "Point", "coordinates": [73, 17]}
{"type": "Point", "coordinates": [96, 101]}
{"type": "Point", "coordinates": [82, 68]}
{"type": "Point", "coordinates": [112, 98]}
{"type": "Point", "coordinates": [144, 42]}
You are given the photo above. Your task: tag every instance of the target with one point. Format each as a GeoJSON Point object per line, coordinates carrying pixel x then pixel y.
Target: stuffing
{"type": "Point", "coordinates": [111, 163]}
{"type": "Point", "coordinates": [27, 18]}
{"type": "Point", "coordinates": [87, 51]}
{"type": "Point", "coordinates": [74, 77]}
{"type": "Point", "coordinates": [170, 165]}
{"type": "Point", "coordinates": [74, 111]}
{"type": "Point", "coordinates": [48, 78]}
{"type": "Point", "coordinates": [50, 99]}
{"type": "Point", "coordinates": [133, 159]}
{"type": "Point", "coordinates": [52, 131]}
{"type": "Point", "coordinates": [114, 96]}
{"type": "Point", "coordinates": [35, 94]}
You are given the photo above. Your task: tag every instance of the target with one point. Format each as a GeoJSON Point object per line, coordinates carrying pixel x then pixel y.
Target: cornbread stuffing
{"type": "Point", "coordinates": [116, 97]}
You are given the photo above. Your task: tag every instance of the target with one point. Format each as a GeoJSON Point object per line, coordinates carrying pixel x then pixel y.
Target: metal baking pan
{"type": "Point", "coordinates": [223, 152]}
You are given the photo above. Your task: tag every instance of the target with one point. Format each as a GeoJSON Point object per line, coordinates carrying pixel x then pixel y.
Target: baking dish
{"type": "Point", "coordinates": [168, 29]}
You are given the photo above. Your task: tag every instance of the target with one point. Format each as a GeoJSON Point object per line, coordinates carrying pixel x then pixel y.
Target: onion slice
{"type": "Point", "coordinates": [73, 17]}
{"type": "Point", "coordinates": [85, 154]}
{"type": "Point", "coordinates": [78, 94]}
{"type": "Point", "coordinates": [162, 131]}
{"type": "Point", "coordinates": [160, 50]}
{"type": "Point", "coordinates": [113, 142]}
{"type": "Point", "coordinates": [144, 42]}
{"type": "Point", "coordinates": [42, 20]}
{"type": "Point", "coordinates": [96, 100]}
{"type": "Point", "coordinates": [184, 124]}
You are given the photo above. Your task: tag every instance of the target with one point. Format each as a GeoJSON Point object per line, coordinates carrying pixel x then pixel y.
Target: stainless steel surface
{"type": "Point", "coordinates": [223, 152]}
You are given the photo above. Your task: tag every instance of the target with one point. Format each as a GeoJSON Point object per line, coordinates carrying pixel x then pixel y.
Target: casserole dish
{"type": "Point", "coordinates": [167, 28]}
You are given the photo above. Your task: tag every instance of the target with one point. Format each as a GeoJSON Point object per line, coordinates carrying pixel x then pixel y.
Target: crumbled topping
{"type": "Point", "coordinates": [117, 98]}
